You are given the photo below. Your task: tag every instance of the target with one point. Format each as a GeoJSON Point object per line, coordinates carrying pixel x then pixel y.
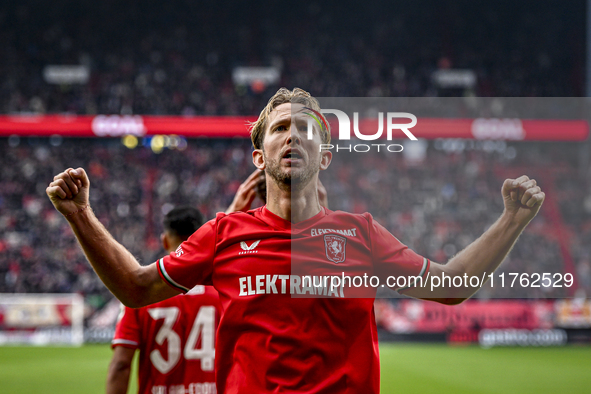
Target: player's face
{"type": "Point", "coordinates": [288, 156]}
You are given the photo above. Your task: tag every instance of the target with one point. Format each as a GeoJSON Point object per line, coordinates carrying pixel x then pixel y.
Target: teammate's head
{"type": "Point", "coordinates": [179, 224]}
{"type": "Point", "coordinates": [284, 95]}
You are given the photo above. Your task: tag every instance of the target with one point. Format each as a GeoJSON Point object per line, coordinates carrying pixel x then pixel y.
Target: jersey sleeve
{"type": "Point", "coordinates": [392, 258]}
{"type": "Point", "coordinates": [127, 331]}
{"type": "Point", "coordinates": [192, 263]}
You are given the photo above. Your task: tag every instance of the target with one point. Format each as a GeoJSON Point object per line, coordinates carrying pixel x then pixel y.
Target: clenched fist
{"type": "Point", "coordinates": [69, 191]}
{"type": "Point", "coordinates": [523, 198]}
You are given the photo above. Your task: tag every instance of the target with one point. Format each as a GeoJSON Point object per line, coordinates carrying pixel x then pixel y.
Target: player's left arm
{"type": "Point", "coordinates": [119, 370]}
{"type": "Point", "coordinates": [522, 199]}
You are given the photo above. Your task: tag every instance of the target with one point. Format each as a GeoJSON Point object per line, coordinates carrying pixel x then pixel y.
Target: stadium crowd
{"type": "Point", "coordinates": [166, 60]}
{"type": "Point", "coordinates": [141, 62]}
{"type": "Point", "coordinates": [132, 189]}
{"type": "Point", "coordinates": [436, 206]}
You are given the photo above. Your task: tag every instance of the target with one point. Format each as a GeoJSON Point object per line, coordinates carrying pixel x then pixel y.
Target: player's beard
{"type": "Point", "coordinates": [293, 180]}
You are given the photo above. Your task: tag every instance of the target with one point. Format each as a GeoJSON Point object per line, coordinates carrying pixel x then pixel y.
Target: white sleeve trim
{"type": "Point", "coordinates": [124, 342]}
{"type": "Point", "coordinates": [169, 279]}
{"type": "Point", "coordinates": [420, 275]}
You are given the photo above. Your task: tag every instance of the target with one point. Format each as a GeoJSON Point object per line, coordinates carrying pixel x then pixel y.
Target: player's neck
{"type": "Point", "coordinates": [295, 206]}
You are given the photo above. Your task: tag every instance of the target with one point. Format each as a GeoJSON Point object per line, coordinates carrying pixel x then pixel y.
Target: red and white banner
{"type": "Point", "coordinates": [230, 127]}
{"type": "Point", "coordinates": [573, 313]}
{"type": "Point", "coordinates": [410, 316]}
{"type": "Point", "coordinates": [41, 319]}
{"type": "Point", "coordinates": [117, 126]}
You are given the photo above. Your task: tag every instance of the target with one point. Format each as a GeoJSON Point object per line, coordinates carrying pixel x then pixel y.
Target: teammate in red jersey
{"type": "Point", "coordinates": [175, 337]}
{"type": "Point", "coordinates": [269, 340]}
{"type": "Point", "coordinates": [175, 320]}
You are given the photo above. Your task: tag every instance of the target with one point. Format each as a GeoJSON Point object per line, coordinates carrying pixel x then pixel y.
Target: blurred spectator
{"type": "Point", "coordinates": [177, 59]}
{"type": "Point", "coordinates": [436, 207]}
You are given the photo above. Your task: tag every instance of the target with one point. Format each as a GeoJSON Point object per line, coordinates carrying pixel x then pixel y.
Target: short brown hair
{"type": "Point", "coordinates": [284, 95]}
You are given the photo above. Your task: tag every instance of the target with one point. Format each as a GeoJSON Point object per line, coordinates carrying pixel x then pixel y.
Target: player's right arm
{"type": "Point", "coordinates": [119, 370]}
{"type": "Point", "coordinates": [134, 285]}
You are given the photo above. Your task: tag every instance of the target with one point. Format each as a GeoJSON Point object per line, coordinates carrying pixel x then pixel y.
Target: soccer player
{"type": "Point", "coordinates": [270, 339]}
{"type": "Point", "coordinates": [175, 337]}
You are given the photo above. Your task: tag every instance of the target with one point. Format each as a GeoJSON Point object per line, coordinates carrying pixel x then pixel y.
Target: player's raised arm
{"type": "Point", "coordinates": [133, 284]}
{"type": "Point", "coordinates": [247, 191]}
{"type": "Point", "coordinates": [523, 199]}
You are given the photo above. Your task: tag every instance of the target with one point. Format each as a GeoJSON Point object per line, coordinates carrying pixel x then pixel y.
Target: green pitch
{"type": "Point", "coordinates": [405, 369]}
{"type": "Point", "coordinates": [443, 369]}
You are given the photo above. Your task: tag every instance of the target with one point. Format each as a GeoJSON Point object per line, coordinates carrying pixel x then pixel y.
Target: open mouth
{"type": "Point", "coordinates": [292, 155]}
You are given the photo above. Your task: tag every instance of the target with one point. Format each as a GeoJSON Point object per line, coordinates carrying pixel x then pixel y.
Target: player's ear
{"type": "Point", "coordinates": [165, 241]}
{"type": "Point", "coordinates": [325, 159]}
{"type": "Point", "coordinates": [258, 159]}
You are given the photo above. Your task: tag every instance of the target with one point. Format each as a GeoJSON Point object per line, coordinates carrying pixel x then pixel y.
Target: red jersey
{"type": "Point", "coordinates": [176, 339]}
{"type": "Point", "coordinates": [270, 339]}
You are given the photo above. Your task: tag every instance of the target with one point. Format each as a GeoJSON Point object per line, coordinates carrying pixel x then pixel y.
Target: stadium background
{"type": "Point", "coordinates": [181, 58]}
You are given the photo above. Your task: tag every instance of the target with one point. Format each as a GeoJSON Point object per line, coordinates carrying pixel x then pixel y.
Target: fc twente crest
{"type": "Point", "coordinates": [335, 247]}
